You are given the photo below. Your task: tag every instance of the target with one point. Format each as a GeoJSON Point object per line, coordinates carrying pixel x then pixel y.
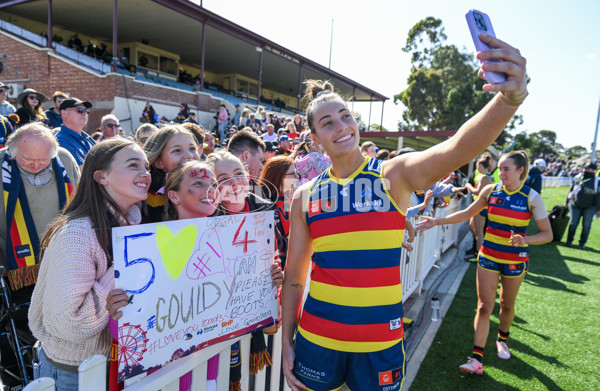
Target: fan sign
{"type": "Point", "coordinates": [192, 283]}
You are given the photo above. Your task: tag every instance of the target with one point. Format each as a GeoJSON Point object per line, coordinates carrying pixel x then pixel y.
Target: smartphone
{"type": "Point", "coordinates": [479, 23]}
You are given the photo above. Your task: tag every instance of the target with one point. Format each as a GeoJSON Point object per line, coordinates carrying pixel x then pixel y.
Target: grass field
{"type": "Point", "coordinates": [555, 336]}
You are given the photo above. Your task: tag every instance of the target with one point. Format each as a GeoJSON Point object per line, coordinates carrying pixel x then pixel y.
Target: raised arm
{"type": "Point", "coordinates": [420, 170]}
{"type": "Point", "coordinates": [298, 260]}
{"type": "Point", "coordinates": [461, 215]}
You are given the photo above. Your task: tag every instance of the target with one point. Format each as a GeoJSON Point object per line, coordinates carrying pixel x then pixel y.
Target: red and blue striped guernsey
{"type": "Point", "coordinates": [355, 297]}
{"type": "Point", "coordinates": [507, 211]}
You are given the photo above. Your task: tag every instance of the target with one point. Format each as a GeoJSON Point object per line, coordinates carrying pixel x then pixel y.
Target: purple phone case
{"type": "Point", "coordinates": [491, 77]}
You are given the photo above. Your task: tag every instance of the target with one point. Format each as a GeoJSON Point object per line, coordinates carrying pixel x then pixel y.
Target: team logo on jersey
{"type": "Point", "coordinates": [496, 201]}
{"type": "Point", "coordinates": [395, 324]}
{"type": "Point", "coordinates": [345, 191]}
{"type": "Point", "coordinates": [321, 206]}
{"type": "Point", "coordinates": [389, 377]}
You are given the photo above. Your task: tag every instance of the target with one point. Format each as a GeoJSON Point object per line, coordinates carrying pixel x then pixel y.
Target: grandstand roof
{"type": "Point", "coordinates": [176, 26]}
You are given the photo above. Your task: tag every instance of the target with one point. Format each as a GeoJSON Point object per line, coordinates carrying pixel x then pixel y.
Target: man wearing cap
{"type": "Point", "coordinates": [285, 145]}
{"type": "Point", "coordinates": [270, 150]}
{"type": "Point", "coordinates": [53, 113]}
{"type": "Point", "coordinates": [534, 178]}
{"type": "Point", "coordinates": [5, 108]}
{"type": "Point", "coordinates": [71, 136]}
{"type": "Point", "coordinates": [583, 202]}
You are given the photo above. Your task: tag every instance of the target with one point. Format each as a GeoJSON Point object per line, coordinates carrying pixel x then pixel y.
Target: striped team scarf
{"type": "Point", "coordinates": [22, 242]}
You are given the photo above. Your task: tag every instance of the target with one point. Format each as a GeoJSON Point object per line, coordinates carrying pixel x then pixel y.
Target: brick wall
{"type": "Point", "coordinates": [49, 74]}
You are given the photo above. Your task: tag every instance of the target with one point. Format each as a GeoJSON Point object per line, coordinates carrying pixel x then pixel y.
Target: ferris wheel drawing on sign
{"type": "Point", "coordinates": [132, 344]}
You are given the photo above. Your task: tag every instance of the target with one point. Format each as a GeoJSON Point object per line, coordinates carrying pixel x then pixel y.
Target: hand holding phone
{"type": "Point", "coordinates": [479, 23]}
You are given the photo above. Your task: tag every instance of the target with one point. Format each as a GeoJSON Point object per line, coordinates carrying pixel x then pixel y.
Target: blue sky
{"type": "Point", "coordinates": [561, 41]}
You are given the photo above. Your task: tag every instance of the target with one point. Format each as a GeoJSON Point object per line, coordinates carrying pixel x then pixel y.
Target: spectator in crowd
{"type": "Point", "coordinates": [109, 126]}
{"type": "Point", "coordinates": [198, 134]}
{"type": "Point", "coordinates": [534, 179]}
{"type": "Point", "coordinates": [583, 202]}
{"type": "Point", "coordinates": [285, 145]}
{"type": "Point", "coordinates": [278, 181]}
{"type": "Point", "coordinates": [96, 136]}
{"type": "Point", "coordinates": [270, 150]}
{"type": "Point", "coordinates": [383, 154]}
{"type": "Point", "coordinates": [209, 143]}
{"type": "Point", "coordinates": [31, 106]}
{"type": "Point", "coordinates": [68, 309]}
{"type": "Point", "coordinates": [270, 134]}
{"type": "Point", "coordinates": [237, 115]}
{"type": "Point", "coordinates": [54, 120]}
{"type": "Point", "coordinates": [330, 357]}
{"type": "Point", "coordinates": [309, 159]}
{"type": "Point", "coordinates": [143, 133]}
{"type": "Point", "coordinates": [222, 118]}
{"type": "Point", "coordinates": [299, 123]}
{"type": "Point", "coordinates": [504, 254]}
{"type": "Point", "coordinates": [75, 43]}
{"type": "Point", "coordinates": [191, 119]}
{"type": "Point", "coordinates": [250, 149]}
{"type": "Point", "coordinates": [41, 176]}
{"type": "Point", "coordinates": [368, 148]}
{"type": "Point", "coordinates": [291, 131]}
{"type": "Point", "coordinates": [6, 128]}
{"type": "Point", "coordinates": [149, 114]}
{"type": "Point", "coordinates": [245, 119]}
{"type": "Point", "coordinates": [74, 113]}
{"type": "Point", "coordinates": [184, 113]}
{"type": "Point", "coordinates": [5, 108]}
{"type": "Point", "coordinates": [165, 149]}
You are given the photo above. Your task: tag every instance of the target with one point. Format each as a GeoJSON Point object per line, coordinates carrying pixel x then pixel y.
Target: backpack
{"type": "Point", "coordinates": [585, 196]}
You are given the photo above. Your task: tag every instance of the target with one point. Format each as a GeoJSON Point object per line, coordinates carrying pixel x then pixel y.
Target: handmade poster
{"type": "Point", "coordinates": [191, 283]}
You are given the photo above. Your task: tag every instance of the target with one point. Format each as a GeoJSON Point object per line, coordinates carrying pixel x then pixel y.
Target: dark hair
{"type": "Point", "coordinates": [91, 198]}
{"type": "Point", "coordinates": [317, 92]}
{"type": "Point", "coordinates": [273, 172]}
{"type": "Point", "coordinates": [484, 160]}
{"type": "Point", "coordinates": [383, 154]}
{"type": "Point", "coordinates": [521, 159]}
{"type": "Point", "coordinates": [196, 130]}
{"type": "Point", "coordinates": [244, 140]}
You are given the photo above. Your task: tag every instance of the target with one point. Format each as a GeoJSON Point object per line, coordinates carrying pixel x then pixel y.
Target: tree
{"type": "Point", "coordinates": [443, 87]}
{"type": "Point", "coordinates": [377, 128]}
{"type": "Point", "coordinates": [576, 151]}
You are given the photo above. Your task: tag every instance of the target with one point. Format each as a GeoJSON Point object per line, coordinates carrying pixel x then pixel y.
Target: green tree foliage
{"type": "Point", "coordinates": [443, 87]}
{"type": "Point", "coordinates": [576, 151]}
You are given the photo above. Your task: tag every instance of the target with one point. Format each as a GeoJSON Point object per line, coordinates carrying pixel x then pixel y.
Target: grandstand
{"type": "Point", "coordinates": [166, 52]}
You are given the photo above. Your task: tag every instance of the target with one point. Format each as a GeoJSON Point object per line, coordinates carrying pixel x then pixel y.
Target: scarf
{"type": "Point", "coordinates": [22, 242]}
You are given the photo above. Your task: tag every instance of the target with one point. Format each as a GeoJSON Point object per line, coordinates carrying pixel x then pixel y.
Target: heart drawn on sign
{"type": "Point", "coordinates": [175, 250]}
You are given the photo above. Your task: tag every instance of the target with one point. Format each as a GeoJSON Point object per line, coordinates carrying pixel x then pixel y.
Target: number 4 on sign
{"type": "Point", "coordinates": [244, 242]}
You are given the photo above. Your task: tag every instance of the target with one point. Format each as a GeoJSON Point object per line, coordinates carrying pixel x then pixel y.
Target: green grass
{"type": "Point", "coordinates": [554, 338]}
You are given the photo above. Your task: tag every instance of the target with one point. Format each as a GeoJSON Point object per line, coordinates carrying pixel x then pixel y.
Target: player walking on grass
{"type": "Point", "coordinates": [353, 216]}
{"type": "Point", "coordinates": [504, 254]}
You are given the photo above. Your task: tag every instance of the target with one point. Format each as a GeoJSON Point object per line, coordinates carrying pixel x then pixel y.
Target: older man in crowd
{"type": "Point", "coordinates": [109, 126]}
{"type": "Point", "coordinates": [71, 136]}
{"type": "Point", "coordinates": [38, 178]}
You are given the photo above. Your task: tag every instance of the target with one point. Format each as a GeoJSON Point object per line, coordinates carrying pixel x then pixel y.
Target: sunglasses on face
{"type": "Point", "coordinates": [143, 140]}
{"type": "Point", "coordinates": [81, 110]}
{"type": "Point", "coordinates": [110, 125]}
{"type": "Point", "coordinates": [34, 97]}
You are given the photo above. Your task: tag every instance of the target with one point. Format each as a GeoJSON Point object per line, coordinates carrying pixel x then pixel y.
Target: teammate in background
{"type": "Point", "coordinates": [353, 216]}
{"type": "Point", "coordinates": [504, 254]}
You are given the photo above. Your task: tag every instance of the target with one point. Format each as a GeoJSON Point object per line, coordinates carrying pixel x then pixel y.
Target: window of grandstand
{"type": "Point", "coordinates": [168, 65]}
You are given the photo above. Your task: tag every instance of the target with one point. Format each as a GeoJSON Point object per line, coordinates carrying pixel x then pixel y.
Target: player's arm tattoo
{"type": "Point", "coordinates": [298, 285]}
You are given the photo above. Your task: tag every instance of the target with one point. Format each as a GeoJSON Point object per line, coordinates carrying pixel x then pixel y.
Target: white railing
{"type": "Point", "coordinates": [21, 32]}
{"type": "Point", "coordinates": [415, 265]}
{"type": "Point", "coordinates": [556, 181]}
